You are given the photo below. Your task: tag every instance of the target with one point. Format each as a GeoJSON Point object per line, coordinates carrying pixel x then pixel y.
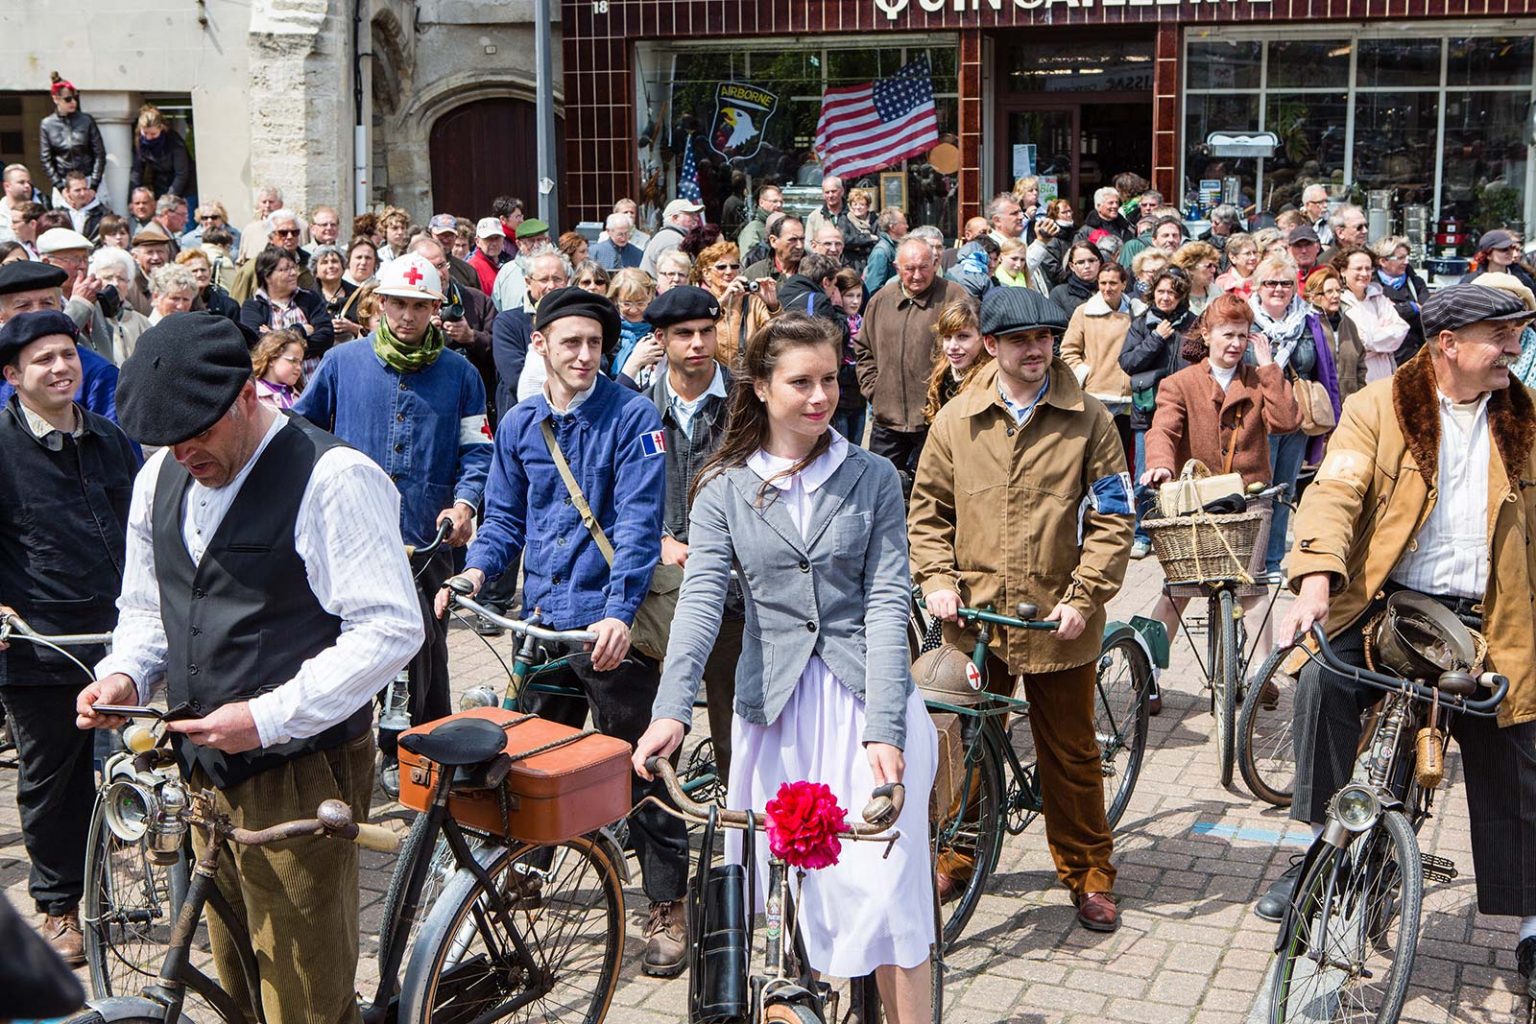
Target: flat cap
{"type": "Point", "coordinates": [1302, 233]}
{"type": "Point", "coordinates": [30, 275]}
{"type": "Point", "coordinates": [680, 304]}
{"type": "Point", "coordinates": [574, 301]}
{"type": "Point", "coordinates": [25, 328]}
{"type": "Point", "coordinates": [150, 234]}
{"type": "Point", "coordinates": [1011, 310]}
{"type": "Point", "coordinates": [532, 227]}
{"type": "Point", "coordinates": [1462, 305]}
{"type": "Point", "coordinates": [61, 240]}
{"type": "Point", "coordinates": [1498, 238]}
{"type": "Point", "coordinates": [184, 374]}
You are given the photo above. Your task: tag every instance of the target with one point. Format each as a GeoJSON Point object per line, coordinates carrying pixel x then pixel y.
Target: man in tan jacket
{"type": "Point", "coordinates": [1022, 495]}
{"type": "Point", "coordinates": [1428, 486]}
{"type": "Point", "coordinates": [895, 349]}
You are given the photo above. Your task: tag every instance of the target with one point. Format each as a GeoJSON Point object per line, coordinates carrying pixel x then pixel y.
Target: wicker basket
{"type": "Point", "coordinates": [1211, 547]}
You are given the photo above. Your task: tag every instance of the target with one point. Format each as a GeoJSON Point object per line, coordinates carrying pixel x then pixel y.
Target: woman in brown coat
{"type": "Point", "coordinates": [1221, 411]}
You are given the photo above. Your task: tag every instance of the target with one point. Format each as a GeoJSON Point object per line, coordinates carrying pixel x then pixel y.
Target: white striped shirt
{"type": "Point", "coordinates": [1449, 557]}
{"type": "Point", "coordinates": [348, 536]}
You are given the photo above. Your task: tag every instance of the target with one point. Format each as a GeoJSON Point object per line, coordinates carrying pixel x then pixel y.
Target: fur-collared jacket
{"type": "Point", "coordinates": [1376, 488]}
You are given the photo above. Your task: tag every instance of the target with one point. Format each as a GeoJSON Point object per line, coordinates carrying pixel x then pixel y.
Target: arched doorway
{"type": "Point", "coordinates": [484, 149]}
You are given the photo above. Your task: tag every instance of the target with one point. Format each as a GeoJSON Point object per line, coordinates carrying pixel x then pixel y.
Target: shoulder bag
{"type": "Point", "coordinates": [653, 620]}
{"type": "Point", "coordinates": [1312, 400]}
{"type": "Point", "coordinates": [721, 901]}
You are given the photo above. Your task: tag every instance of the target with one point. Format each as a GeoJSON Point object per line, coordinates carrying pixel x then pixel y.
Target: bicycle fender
{"type": "Point", "coordinates": [1150, 636]}
{"type": "Point", "coordinates": [116, 1008]}
{"type": "Point", "coordinates": [610, 843]}
{"type": "Point", "coordinates": [1283, 933]}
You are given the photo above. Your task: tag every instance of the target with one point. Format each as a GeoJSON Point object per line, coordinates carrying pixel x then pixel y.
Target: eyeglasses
{"type": "Point", "coordinates": [295, 360]}
{"type": "Point", "coordinates": [1278, 284]}
{"type": "Point", "coordinates": [286, 232]}
{"type": "Point", "coordinates": [210, 218]}
{"type": "Point", "coordinates": [721, 268]}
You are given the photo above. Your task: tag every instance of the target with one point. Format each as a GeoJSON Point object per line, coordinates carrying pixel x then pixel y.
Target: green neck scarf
{"type": "Point", "coordinates": [403, 358]}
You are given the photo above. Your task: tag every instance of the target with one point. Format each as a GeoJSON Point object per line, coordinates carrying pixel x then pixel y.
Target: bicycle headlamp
{"type": "Point", "coordinates": [478, 697]}
{"type": "Point", "coordinates": [148, 806]}
{"type": "Point", "coordinates": [1356, 807]}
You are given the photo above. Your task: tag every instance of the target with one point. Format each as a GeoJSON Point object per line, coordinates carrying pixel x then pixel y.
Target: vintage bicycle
{"type": "Point", "coordinates": [998, 792]}
{"type": "Point", "coordinates": [1346, 944]}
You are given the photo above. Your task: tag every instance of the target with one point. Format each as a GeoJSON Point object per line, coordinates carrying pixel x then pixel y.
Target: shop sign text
{"type": "Point", "coordinates": [893, 8]}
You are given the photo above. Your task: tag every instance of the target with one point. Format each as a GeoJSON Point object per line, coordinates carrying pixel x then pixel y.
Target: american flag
{"type": "Point", "coordinates": [866, 127]}
{"type": "Point", "coordinates": [688, 176]}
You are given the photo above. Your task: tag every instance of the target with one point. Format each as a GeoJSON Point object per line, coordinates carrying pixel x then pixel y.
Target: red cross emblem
{"type": "Point", "coordinates": [413, 276]}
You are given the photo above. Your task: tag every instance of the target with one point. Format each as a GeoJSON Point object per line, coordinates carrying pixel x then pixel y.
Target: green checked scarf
{"type": "Point", "coordinates": [403, 358]}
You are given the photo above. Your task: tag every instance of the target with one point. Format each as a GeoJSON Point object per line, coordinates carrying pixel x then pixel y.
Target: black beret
{"type": "Point", "coordinates": [184, 374]}
{"type": "Point", "coordinates": [573, 301]}
{"type": "Point", "coordinates": [25, 328]}
{"type": "Point", "coordinates": [680, 304]}
{"type": "Point", "coordinates": [29, 275]}
{"type": "Point", "coordinates": [1011, 310]}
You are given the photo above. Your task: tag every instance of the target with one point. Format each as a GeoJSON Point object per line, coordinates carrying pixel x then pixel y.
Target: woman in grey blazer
{"type": "Point", "coordinates": [815, 527]}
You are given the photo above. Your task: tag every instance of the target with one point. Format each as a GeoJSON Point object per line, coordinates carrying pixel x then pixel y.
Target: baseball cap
{"type": "Point", "coordinates": [442, 222]}
{"type": "Point", "coordinates": [1498, 238]}
{"type": "Point", "coordinates": [1302, 233]}
{"type": "Point", "coordinates": [61, 240]}
{"type": "Point", "coordinates": [678, 206]}
{"type": "Point", "coordinates": [1462, 305]}
{"type": "Point", "coordinates": [488, 227]}
{"type": "Point", "coordinates": [410, 277]}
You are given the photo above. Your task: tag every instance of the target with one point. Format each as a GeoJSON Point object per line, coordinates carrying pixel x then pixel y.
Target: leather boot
{"type": "Point", "coordinates": [63, 933]}
{"type": "Point", "coordinates": [1271, 906]}
{"type": "Point", "coordinates": [666, 940]}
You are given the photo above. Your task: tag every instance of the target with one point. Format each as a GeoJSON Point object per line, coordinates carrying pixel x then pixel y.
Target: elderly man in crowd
{"type": "Point", "coordinates": [829, 242]}
{"type": "Point", "coordinates": [253, 238]}
{"type": "Point", "coordinates": [1314, 206]}
{"type": "Point", "coordinates": [171, 215]}
{"type": "Point", "coordinates": [490, 239]}
{"type": "Point", "coordinates": [680, 217]}
{"type": "Point", "coordinates": [890, 229]}
{"type": "Point", "coordinates": [209, 214]}
{"type": "Point", "coordinates": [70, 252]}
{"type": "Point", "coordinates": [786, 242]}
{"type": "Point", "coordinates": [615, 251]}
{"type": "Point", "coordinates": [444, 228]}
{"type": "Point", "coordinates": [770, 200]}
{"type": "Point", "coordinates": [141, 208]}
{"type": "Point", "coordinates": [833, 210]}
{"type": "Point", "coordinates": [1348, 227]}
{"type": "Point", "coordinates": [284, 229]}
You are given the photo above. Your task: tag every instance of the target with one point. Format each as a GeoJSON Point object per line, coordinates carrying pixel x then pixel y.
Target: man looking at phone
{"type": "Point", "coordinates": [265, 586]}
{"type": "Point", "coordinates": [417, 408]}
{"type": "Point", "coordinates": [65, 478]}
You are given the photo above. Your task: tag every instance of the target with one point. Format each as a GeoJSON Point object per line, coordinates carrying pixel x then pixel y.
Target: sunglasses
{"type": "Point", "coordinates": [286, 232]}
{"type": "Point", "coordinates": [722, 267]}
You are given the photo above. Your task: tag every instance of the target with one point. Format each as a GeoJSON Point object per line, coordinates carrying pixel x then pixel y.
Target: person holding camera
{"type": "Point", "coordinates": [402, 397]}
{"type": "Point", "coordinates": [744, 305]}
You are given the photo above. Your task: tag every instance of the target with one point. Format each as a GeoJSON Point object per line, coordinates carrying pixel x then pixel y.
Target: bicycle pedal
{"type": "Point", "coordinates": [1438, 869]}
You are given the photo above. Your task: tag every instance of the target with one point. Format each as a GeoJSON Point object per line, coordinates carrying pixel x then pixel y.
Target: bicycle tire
{"type": "Point", "coordinates": [447, 982]}
{"type": "Point", "coordinates": [790, 1013]}
{"type": "Point", "coordinates": [440, 869]}
{"type": "Point", "coordinates": [981, 844]}
{"type": "Point", "coordinates": [89, 1016]}
{"type": "Point", "coordinates": [127, 910]}
{"type": "Point", "coordinates": [1224, 685]}
{"type": "Point", "coordinates": [1337, 889]}
{"type": "Point", "coordinates": [1265, 753]}
{"type": "Point", "coordinates": [1120, 717]}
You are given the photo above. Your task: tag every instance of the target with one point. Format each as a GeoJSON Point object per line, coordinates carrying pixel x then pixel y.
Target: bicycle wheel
{"type": "Point", "coordinates": [1354, 932]}
{"type": "Point", "coordinates": [440, 869]}
{"type": "Point", "coordinates": [1265, 753]}
{"type": "Point", "coordinates": [570, 917]}
{"type": "Point", "coordinates": [127, 910]}
{"type": "Point", "coordinates": [1224, 683]}
{"type": "Point", "coordinates": [1120, 717]}
{"type": "Point", "coordinates": [969, 838]}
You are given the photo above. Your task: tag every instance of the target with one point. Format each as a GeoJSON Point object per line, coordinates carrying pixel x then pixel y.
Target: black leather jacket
{"type": "Point", "coordinates": [73, 144]}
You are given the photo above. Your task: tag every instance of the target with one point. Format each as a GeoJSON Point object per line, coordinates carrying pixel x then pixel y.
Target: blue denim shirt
{"type": "Point", "coordinates": [610, 440]}
{"type": "Point", "coordinates": [426, 429]}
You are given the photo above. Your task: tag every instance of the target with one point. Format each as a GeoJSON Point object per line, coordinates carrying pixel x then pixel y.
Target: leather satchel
{"type": "Point", "coordinates": [721, 901]}
{"type": "Point", "coordinates": [1316, 406]}
{"type": "Point", "coordinates": [653, 619]}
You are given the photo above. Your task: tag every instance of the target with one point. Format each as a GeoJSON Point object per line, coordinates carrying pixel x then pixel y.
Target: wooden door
{"type": "Point", "coordinates": [486, 149]}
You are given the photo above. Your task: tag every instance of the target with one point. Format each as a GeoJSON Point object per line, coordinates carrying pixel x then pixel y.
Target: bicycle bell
{"type": "Point", "coordinates": [1420, 638]}
{"type": "Point", "coordinates": [148, 805]}
{"type": "Point", "coordinates": [946, 674]}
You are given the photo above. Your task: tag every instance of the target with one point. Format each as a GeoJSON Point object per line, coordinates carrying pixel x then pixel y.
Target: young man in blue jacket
{"type": "Point", "coordinates": [417, 408]}
{"type": "Point", "coordinates": [613, 442]}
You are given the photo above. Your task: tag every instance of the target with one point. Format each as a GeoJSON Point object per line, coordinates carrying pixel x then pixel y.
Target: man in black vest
{"type": "Point", "coordinates": [65, 478]}
{"type": "Point", "coordinates": [266, 586]}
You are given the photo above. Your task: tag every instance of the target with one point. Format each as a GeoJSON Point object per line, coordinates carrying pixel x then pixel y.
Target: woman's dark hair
{"type": "Point", "coordinates": [1085, 247]}
{"type": "Point", "coordinates": [746, 416]}
{"type": "Point", "coordinates": [1340, 260]}
{"type": "Point", "coordinates": [360, 242]}
{"type": "Point", "coordinates": [8, 247]}
{"type": "Point", "coordinates": [1117, 269]}
{"type": "Point", "coordinates": [1174, 276]}
{"type": "Point", "coordinates": [268, 260]}
{"type": "Point", "coordinates": [699, 239]}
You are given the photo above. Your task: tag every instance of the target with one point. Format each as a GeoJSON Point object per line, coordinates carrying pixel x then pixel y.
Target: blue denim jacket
{"type": "Point", "coordinates": [611, 442]}
{"type": "Point", "coordinates": [426, 429]}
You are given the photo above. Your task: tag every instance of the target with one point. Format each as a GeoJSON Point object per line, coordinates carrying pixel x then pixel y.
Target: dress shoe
{"type": "Point", "coordinates": [1271, 906]}
{"type": "Point", "coordinates": [1096, 911]}
{"type": "Point", "coordinates": [63, 933]}
{"type": "Point", "coordinates": [666, 940]}
{"type": "Point", "coordinates": [1269, 693]}
{"type": "Point", "coordinates": [1525, 962]}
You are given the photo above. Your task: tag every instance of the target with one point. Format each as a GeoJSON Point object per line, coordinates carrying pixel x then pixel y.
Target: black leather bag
{"type": "Point", "coordinates": [721, 900]}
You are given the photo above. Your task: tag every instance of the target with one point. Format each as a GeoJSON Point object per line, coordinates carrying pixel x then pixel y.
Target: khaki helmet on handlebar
{"type": "Point", "coordinates": [946, 674]}
{"type": "Point", "coordinates": [1420, 638]}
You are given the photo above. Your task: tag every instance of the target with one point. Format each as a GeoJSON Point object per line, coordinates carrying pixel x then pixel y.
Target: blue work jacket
{"type": "Point", "coordinates": [426, 429]}
{"type": "Point", "coordinates": [616, 449]}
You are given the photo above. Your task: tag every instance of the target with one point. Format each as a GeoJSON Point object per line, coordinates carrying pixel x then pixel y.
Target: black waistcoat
{"type": "Point", "coordinates": [241, 622]}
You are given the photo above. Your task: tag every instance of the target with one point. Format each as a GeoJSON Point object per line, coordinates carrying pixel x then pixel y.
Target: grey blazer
{"type": "Point", "coordinates": [844, 593]}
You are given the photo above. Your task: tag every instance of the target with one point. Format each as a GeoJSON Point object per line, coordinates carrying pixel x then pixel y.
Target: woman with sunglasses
{"type": "Point", "coordinates": [718, 272]}
{"type": "Point", "coordinates": [71, 141]}
{"type": "Point", "coordinates": [1498, 252]}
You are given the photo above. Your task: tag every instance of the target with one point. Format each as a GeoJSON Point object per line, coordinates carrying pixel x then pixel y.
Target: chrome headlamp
{"type": "Point", "coordinates": [148, 806]}
{"type": "Point", "coordinates": [1355, 807]}
{"type": "Point", "coordinates": [481, 696]}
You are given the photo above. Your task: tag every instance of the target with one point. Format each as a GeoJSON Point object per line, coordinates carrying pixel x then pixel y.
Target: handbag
{"type": "Point", "coordinates": [1315, 405]}
{"type": "Point", "coordinates": [721, 901]}
{"type": "Point", "coordinates": [653, 619]}
{"type": "Point", "coordinates": [1144, 389]}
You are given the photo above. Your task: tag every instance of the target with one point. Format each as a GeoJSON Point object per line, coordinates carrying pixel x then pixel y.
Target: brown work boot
{"type": "Point", "coordinates": [666, 940]}
{"type": "Point", "coordinates": [1096, 911]}
{"type": "Point", "coordinates": [63, 933]}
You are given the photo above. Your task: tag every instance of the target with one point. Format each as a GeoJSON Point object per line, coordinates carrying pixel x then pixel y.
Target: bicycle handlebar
{"type": "Point", "coordinates": [444, 528]}
{"type": "Point", "coordinates": [333, 818]}
{"type": "Point", "coordinates": [884, 806]}
{"type": "Point", "coordinates": [1486, 708]}
{"type": "Point", "coordinates": [14, 626]}
{"type": "Point", "coordinates": [574, 636]}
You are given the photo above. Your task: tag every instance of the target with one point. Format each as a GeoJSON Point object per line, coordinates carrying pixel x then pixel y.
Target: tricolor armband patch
{"type": "Point", "coordinates": [653, 443]}
{"type": "Point", "coordinates": [1111, 495]}
{"type": "Point", "coordinates": [475, 430]}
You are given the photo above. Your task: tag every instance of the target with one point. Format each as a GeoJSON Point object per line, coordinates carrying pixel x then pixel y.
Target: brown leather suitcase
{"type": "Point", "coordinates": [563, 783]}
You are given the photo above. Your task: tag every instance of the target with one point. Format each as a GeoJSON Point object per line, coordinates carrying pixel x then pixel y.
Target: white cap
{"type": "Point", "coordinates": [61, 240]}
{"type": "Point", "coordinates": [489, 227]}
{"type": "Point", "coordinates": [678, 206]}
{"type": "Point", "coordinates": [410, 277]}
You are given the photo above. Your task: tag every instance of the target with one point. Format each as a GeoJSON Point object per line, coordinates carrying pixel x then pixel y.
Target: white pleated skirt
{"type": "Point", "coordinates": [868, 910]}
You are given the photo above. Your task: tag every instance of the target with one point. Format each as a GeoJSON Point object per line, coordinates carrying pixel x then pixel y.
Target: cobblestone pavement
{"type": "Point", "coordinates": [1192, 858]}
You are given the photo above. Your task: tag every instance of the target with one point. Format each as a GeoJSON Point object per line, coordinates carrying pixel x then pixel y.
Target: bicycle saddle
{"type": "Point", "coordinates": [463, 741]}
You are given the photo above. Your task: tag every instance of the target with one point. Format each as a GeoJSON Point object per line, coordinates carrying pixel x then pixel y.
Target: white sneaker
{"type": "Point", "coordinates": [1141, 549]}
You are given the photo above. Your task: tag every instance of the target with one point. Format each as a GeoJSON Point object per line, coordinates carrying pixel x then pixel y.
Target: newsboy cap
{"type": "Point", "coordinates": [574, 301]}
{"type": "Point", "coordinates": [25, 328]}
{"type": "Point", "coordinates": [1462, 305]}
{"type": "Point", "coordinates": [184, 374]}
{"type": "Point", "coordinates": [1011, 310]}
{"type": "Point", "coordinates": [680, 304]}
{"type": "Point", "coordinates": [29, 276]}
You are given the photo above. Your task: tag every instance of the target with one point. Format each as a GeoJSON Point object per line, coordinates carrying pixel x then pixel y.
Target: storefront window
{"type": "Point", "coordinates": [1490, 60]}
{"type": "Point", "coordinates": [1309, 63]}
{"type": "Point", "coordinates": [1220, 112]}
{"type": "Point", "coordinates": [1485, 159]}
{"type": "Point", "coordinates": [770, 136]}
{"type": "Point", "coordinates": [1224, 64]}
{"type": "Point", "coordinates": [1396, 136]}
{"type": "Point", "coordinates": [1398, 62]}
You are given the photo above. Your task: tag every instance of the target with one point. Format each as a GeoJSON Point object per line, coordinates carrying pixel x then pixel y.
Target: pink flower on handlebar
{"type": "Point", "coordinates": [803, 825]}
